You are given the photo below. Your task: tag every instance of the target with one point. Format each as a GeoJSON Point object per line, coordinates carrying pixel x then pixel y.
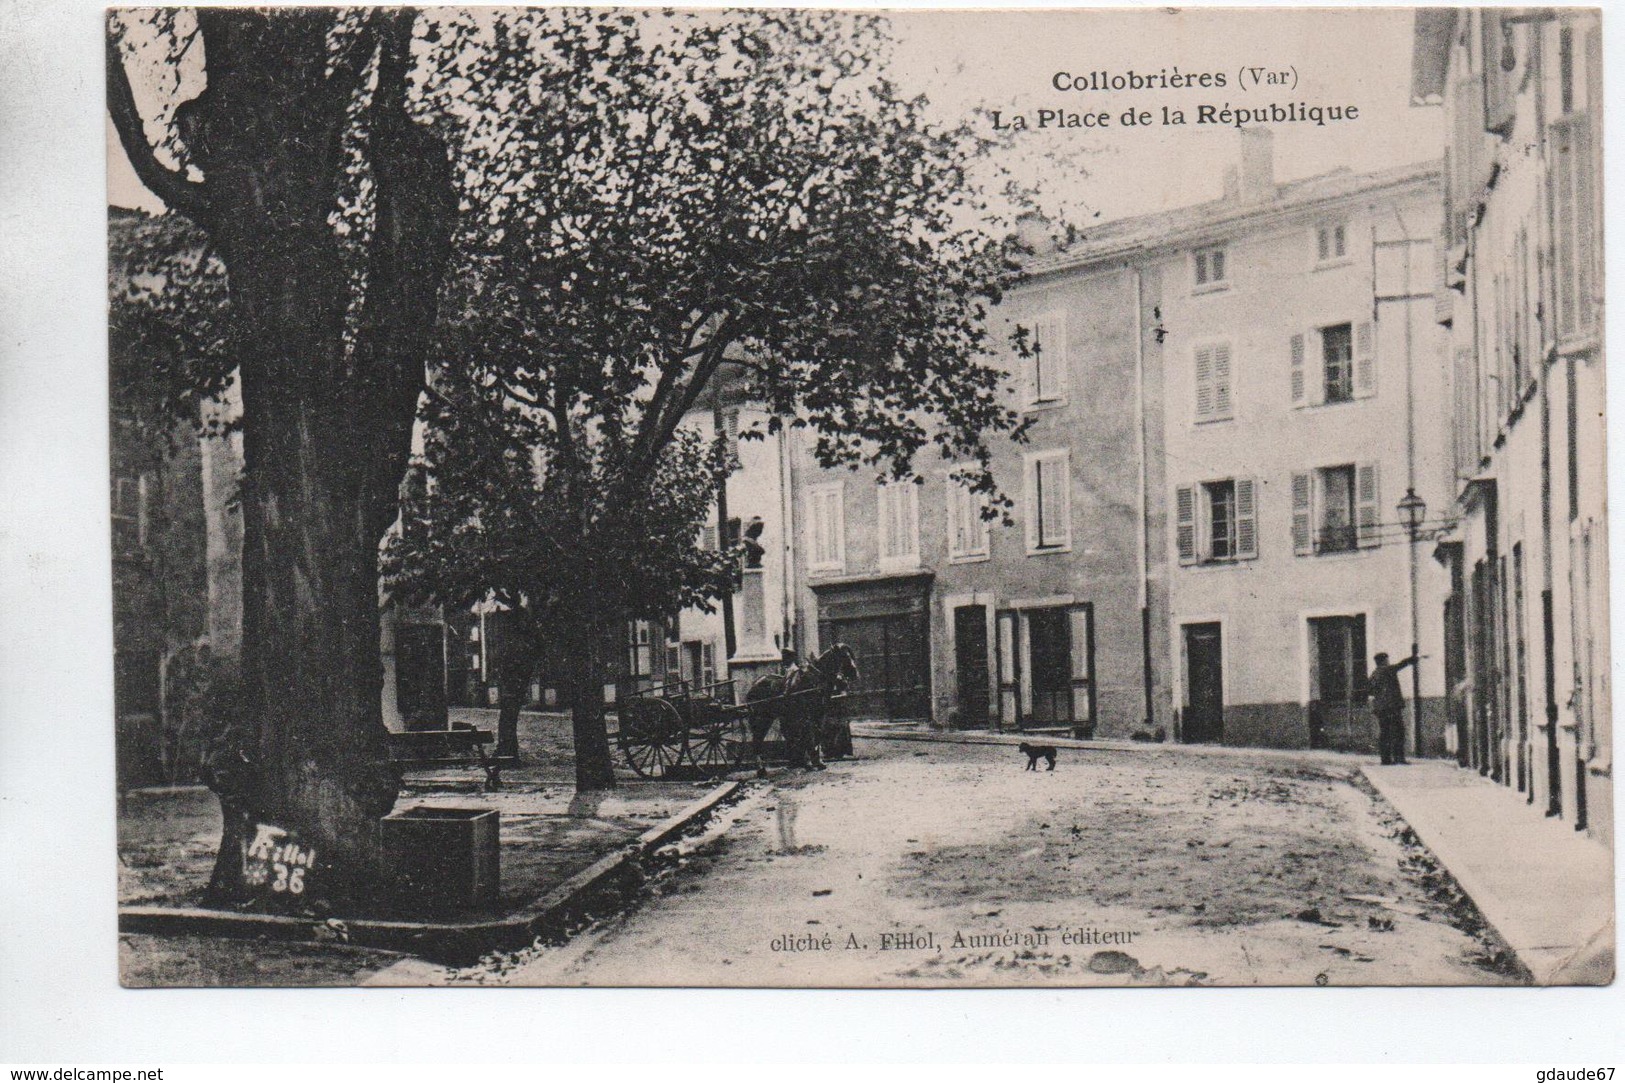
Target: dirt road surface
{"type": "Point", "coordinates": [938, 864]}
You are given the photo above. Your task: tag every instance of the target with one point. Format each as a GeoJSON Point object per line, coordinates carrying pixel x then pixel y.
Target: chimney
{"type": "Point", "coordinates": [1257, 165]}
{"type": "Point", "coordinates": [1232, 183]}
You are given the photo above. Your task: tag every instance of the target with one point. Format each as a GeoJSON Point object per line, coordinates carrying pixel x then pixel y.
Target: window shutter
{"type": "Point", "coordinates": [1030, 504]}
{"type": "Point", "coordinates": [1367, 506]}
{"type": "Point", "coordinates": [1029, 368]}
{"type": "Point", "coordinates": [1204, 382]}
{"type": "Point", "coordinates": [1246, 520]}
{"type": "Point", "coordinates": [1056, 371]}
{"type": "Point", "coordinates": [1221, 380]}
{"type": "Point", "coordinates": [1185, 511]}
{"type": "Point", "coordinates": [888, 522]}
{"type": "Point", "coordinates": [1365, 359]}
{"type": "Point", "coordinates": [1302, 514]}
{"type": "Point", "coordinates": [1078, 627]}
{"type": "Point", "coordinates": [1057, 510]}
{"type": "Point", "coordinates": [1299, 386]}
{"type": "Point", "coordinates": [1500, 87]}
{"type": "Point", "coordinates": [958, 534]}
{"type": "Point", "coordinates": [1576, 260]}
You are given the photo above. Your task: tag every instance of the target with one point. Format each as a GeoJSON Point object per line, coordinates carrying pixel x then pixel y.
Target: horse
{"type": "Point", "coordinates": [798, 700]}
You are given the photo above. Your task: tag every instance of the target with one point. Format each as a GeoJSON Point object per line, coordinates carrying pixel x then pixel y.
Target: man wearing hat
{"type": "Point", "coordinates": [1388, 703]}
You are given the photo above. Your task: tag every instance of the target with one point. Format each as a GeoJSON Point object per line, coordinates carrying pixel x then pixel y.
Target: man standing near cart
{"type": "Point", "coordinates": [1388, 703]}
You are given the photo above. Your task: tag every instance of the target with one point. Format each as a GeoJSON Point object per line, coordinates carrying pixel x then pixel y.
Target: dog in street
{"type": "Point", "coordinates": [1036, 753]}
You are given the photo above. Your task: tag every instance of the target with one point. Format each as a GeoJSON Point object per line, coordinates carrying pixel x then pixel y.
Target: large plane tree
{"type": "Point", "coordinates": [294, 139]}
{"type": "Point", "coordinates": [664, 194]}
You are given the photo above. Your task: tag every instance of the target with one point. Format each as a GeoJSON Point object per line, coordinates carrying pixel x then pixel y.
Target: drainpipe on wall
{"type": "Point", "coordinates": [1142, 525]}
{"type": "Point", "coordinates": [1554, 767]}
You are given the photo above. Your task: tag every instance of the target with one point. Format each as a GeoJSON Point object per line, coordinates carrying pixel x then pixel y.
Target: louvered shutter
{"type": "Point", "coordinates": [1365, 358]}
{"type": "Point", "coordinates": [1185, 523]}
{"type": "Point", "coordinates": [1204, 382]}
{"type": "Point", "coordinates": [730, 428]}
{"type": "Point", "coordinates": [1300, 395]}
{"type": "Point", "coordinates": [1221, 380]}
{"type": "Point", "coordinates": [1246, 520]}
{"type": "Point", "coordinates": [1054, 371]}
{"type": "Point", "coordinates": [1367, 506]}
{"type": "Point", "coordinates": [1576, 255]}
{"type": "Point", "coordinates": [1302, 515]}
{"type": "Point", "coordinates": [1028, 367]}
{"type": "Point", "coordinates": [958, 530]}
{"type": "Point", "coordinates": [1056, 510]}
{"type": "Point", "coordinates": [1500, 87]}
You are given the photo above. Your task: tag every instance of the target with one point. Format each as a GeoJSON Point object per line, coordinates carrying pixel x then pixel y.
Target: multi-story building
{"type": "Point", "coordinates": [1038, 624]}
{"type": "Point", "coordinates": [1294, 324]}
{"type": "Point", "coordinates": [1229, 403]}
{"type": "Point", "coordinates": [1521, 305]}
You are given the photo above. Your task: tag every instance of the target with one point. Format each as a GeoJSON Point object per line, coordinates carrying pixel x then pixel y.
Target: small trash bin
{"type": "Point", "coordinates": [442, 860]}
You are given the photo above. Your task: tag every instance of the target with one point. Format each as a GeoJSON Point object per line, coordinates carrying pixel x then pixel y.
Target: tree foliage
{"type": "Point", "coordinates": [650, 199]}
{"type": "Point", "coordinates": [480, 520]}
{"type": "Point", "coordinates": [652, 193]}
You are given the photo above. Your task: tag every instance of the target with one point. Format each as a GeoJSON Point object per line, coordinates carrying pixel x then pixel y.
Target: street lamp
{"type": "Point", "coordinates": [1413, 512]}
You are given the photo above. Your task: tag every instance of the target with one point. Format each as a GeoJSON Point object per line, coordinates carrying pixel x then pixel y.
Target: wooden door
{"type": "Point", "coordinates": [1339, 717]}
{"type": "Point", "coordinates": [970, 665]}
{"type": "Point", "coordinates": [1204, 683]}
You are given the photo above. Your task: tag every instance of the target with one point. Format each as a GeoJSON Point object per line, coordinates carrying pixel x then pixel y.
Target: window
{"type": "Point", "coordinates": [826, 528]}
{"type": "Point", "coordinates": [899, 503]}
{"type": "Point", "coordinates": [129, 514]}
{"type": "Point", "coordinates": [1335, 509]}
{"type": "Point", "coordinates": [1331, 242]}
{"type": "Point", "coordinates": [1333, 364]}
{"type": "Point", "coordinates": [708, 536]}
{"type": "Point", "coordinates": [1047, 372]}
{"type": "Point", "coordinates": [967, 530]}
{"type": "Point", "coordinates": [1337, 351]}
{"type": "Point", "coordinates": [1209, 268]}
{"type": "Point", "coordinates": [639, 650]}
{"type": "Point", "coordinates": [1213, 381]}
{"type": "Point", "coordinates": [1217, 522]}
{"type": "Point", "coordinates": [1049, 502]}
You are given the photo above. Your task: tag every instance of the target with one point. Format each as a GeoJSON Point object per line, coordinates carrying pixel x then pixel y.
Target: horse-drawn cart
{"type": "Point", "coordinates": [676, 727]}
{"type": "Point", "coordinates": [701, 730]}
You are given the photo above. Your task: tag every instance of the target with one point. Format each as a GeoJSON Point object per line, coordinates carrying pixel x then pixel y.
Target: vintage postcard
{"type": "Point", "coordinates": [821, 498]}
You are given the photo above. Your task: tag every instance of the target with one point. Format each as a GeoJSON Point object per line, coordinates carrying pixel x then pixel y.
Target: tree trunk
{"type": "Point", "coordinates": [582, 642]}
{"type": "Point", "coordinates": [329, 393]}
{"type": "Point", "coordinates": [515, 664]}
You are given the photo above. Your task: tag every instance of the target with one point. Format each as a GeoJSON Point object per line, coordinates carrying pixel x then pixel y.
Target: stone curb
{"type": "Point", "coordinates": [451, 942]}
{"type": "Point", "coordinates": [1107, 744]}
{"type": "Point", "coordinates": [1547, 965]}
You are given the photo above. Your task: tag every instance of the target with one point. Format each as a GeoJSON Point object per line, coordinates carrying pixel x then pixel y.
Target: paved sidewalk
{"type": "Point", "coordinates": [1548, 892]}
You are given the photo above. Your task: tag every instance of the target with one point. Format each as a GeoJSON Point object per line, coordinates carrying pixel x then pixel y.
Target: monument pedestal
{"type": "Point", "coordinates": [756, 655]}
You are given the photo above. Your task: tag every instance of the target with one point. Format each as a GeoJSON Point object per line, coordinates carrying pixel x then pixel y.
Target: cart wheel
{"type": "Point", "coordinates": [715, 746]}
{"type": "Point", "coordinates": [651, 736]}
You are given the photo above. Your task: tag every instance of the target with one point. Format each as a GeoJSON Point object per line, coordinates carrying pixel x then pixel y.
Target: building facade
{"type": "Point", "coordinates": [1295, 326]}
{"type": "Point", "coordinates": [1228, 404]}
{"type": "Point", "coordinates": [1039, 623]}
{"type": "Point", "coordinates": [1521, 318]}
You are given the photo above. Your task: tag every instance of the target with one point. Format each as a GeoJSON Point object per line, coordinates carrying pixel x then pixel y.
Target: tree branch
{"type": "Point", "coordinates": [178, 193]}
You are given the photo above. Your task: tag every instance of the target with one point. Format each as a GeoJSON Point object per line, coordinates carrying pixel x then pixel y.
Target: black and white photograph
{"type": "Point", "coordinates": [813, 498]}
